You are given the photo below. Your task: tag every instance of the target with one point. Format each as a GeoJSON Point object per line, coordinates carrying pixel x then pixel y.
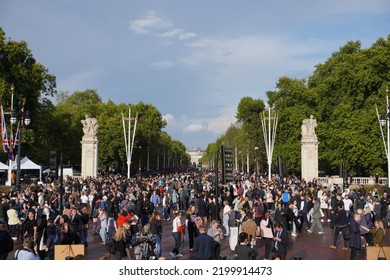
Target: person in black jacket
{"type": "Point", "coordinates": [340, 225]}
{"type": "Point", "coordinates": [355, 241]}
{"type": "Point", "coordinates": [49, 250]}
{"type": "Point", "coordinates": [204, 245]}
{"type": "Point", "coordinates": [156, 228]}
{"type": "Point", "coordinates": [280, 240]}
{"type": "Point", "coordinates": [119, 244]}
{"type": "Point", "coordinates": [244, 249]}
{"type": "Point", "coordinates": [6, 242]}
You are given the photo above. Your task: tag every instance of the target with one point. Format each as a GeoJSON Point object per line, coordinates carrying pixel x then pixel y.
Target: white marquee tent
{"type": "Point", "coordinates": [3, 166]}
{"type": "Point", "coordinates": [26, 163]}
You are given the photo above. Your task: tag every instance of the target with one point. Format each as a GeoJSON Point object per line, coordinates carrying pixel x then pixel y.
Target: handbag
{"type": "Point", "coordinates": [180, 229]}
{"type": "Point", "coordinates": [346, 233]}
{"type": "Point", "coordinates": [383, 258]}
{"type": "Point", "coordinates": [42, 245]}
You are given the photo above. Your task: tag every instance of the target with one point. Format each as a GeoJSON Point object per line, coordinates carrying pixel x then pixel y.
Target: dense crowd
{"type": "Point", "coordinates": [128, 215]}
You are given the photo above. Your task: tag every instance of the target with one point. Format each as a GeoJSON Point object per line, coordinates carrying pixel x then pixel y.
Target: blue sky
{"type": "Point", "coordinates": [193, 60]}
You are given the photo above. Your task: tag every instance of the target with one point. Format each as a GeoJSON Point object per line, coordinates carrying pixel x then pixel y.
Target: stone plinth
{"type": "Point", "coordinates": [309, 150]}
{"type": "Point", "coordinates": [89, 148]}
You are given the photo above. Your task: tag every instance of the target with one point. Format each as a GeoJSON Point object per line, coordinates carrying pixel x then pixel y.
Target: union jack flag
{"type": "Point", "coordinates": [15, 144]}
{"type": "Point", "coordinates": [6, 147]}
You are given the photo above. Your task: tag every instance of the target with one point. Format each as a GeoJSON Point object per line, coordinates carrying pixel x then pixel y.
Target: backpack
{"type": "Point", "coordinates": [7, 243]}
{"type": "Point", "coordinates": [111, 246]}
{"type": "Point", "coordinates": [40, 219]}
{"type": "Point", "coordinates": [56, 236]}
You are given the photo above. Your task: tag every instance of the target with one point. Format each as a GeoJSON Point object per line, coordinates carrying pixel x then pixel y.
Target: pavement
{"type": "Point", "coordinates": [306, 246]}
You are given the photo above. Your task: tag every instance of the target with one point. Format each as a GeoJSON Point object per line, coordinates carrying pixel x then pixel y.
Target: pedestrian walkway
{"type": "Point", "coordinates": [305, 246]}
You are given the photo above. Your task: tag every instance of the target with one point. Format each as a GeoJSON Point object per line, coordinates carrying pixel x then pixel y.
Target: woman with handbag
{"type": "Point", "coordinates": [177, 232]}
{"type": "Point", "coordinates": [192, 228]}
{"type": "Point", "coordinates": [378, 233]}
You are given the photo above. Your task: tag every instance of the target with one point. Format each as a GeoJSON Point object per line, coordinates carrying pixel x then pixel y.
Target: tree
{"type": "Point", "coordinates": [342, 94]}
{"type": "Point", "coordinates": [32, 86]}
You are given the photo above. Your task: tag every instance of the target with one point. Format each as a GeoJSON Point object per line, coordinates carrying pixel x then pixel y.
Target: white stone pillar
{"type": "Point", "coordinates": [89, 148]}
{"type": "Point", "coordinates": [309, 150]}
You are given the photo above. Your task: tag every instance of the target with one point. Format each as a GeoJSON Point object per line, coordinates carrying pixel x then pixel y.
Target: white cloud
{"type": "Point", "coordinates": [194, 127]}
{"type": "Point", "coordinates": [148, 23]}
{"type": "Point", "coordinates": [172, 33]}
{"type": "Point", "coordinates": [169, 118]}
{"type": "Point", "coordinates": [220, 124]}
{"type": "Point", "coordinates": [156, 25]}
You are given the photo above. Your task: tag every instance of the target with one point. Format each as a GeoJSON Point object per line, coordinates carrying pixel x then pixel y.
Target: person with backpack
{"type": "Point", "coordinates": [52, 238]}
{"type": "Point", "coordinates": [26, 253]}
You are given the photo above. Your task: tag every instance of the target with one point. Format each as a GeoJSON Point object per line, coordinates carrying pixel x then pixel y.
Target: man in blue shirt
{"type": "Point", "coordinates": [26, 253]}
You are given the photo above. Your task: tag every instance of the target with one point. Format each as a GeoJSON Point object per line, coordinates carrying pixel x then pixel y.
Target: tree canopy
{"type": "Point", "coordinates": [342, 94]}
{"type": "Point", "coordinates": [58, 126]}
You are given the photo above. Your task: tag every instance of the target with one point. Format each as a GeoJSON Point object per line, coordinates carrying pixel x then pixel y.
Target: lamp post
{"type": "Point", "coordinates": [270, 140]}
{"type": "Point", "coordinates": [139, 161]}
{"type": "Point", "coordinates": [21, 118]}
{"type": "Point", "coordinates": [257, 161]}
{"type": "Point", "coordinates": [384, 119]}
{"type": "Point", "coordinates": [129, 139]}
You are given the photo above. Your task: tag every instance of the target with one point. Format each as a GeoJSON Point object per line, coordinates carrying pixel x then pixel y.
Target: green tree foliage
{"type": "Point", "coordinates": [32, 86]}
{"type": "Point", "coordinates": [293, 102]}
{"type": "Point", "coordinates": [349, 86]}
{"type": "Point", "coordinates": [342, 94]}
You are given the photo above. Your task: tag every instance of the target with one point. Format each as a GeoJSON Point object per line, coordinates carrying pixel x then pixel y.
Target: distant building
{"type": "Point", "coordinates": [196, 154]}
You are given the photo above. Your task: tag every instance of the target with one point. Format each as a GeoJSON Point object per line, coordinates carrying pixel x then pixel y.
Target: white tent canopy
{"type": "Point", "coordinates": [26, 163]}
{"type": "Point", "coordinates": [3, 166]}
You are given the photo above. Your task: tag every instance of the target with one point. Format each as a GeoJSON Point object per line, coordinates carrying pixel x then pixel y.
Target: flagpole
{"type": "Point", "coordinates": [10, 145]}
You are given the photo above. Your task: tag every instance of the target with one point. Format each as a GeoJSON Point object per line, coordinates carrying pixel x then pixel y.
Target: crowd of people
{"type": "Point", "coordinates": [128, 215]}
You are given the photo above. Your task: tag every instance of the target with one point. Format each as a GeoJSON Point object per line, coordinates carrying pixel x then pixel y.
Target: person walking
{"type": "Point", "coordinates": [177, 231]}
{"type": "Point", "coordinates": [280, 240]}
{"type": "Point", "coordinates": [204, 245]}
{"type": "Point", "coordinates": [119, 243]}
{"type": "Point", "coordinates": [355, 241]}
{"type": "Point", "coordinates": [340, 225]}
{"type": "Point", "coordinates": [316, 218]}
{"type": "Point", "coordinates": [267, 234]}
{"type": "Point", "coordinates": [191, 226]}
{"type": "Point", "coordinates": [156, 228]}
{"type": "Point", "coordinates": [103, 225]}
{"type": "Point", "coordinates": [13, 221]}
{"type": "Point", "coordinates": [227, 210]}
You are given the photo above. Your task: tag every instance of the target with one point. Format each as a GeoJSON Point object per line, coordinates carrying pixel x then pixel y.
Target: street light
{"type": "Point", "coordinates": [257, 161]}
{"type": "Point", "coordinates": [21, 118]}
{"type": "Point", "coordinates": [270, 140]}
{"type": "Point", "coordinates": [384, 118]}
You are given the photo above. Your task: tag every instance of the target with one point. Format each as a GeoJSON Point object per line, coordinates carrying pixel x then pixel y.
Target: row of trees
{"type": "Point", "coordinates": [342, 94]}
{"type": "Point", "coordinates": [58, 126]}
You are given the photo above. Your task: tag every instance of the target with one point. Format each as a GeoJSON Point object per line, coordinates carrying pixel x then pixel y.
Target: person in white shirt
{"type": "Point", "coordinates": [347, 204]}
{"type": "Point", "coordinates": [267, 234]}
{"type": "Point", "coordinates": [84, 199]}
{"type": "Point", "coordinates": [227, 210]}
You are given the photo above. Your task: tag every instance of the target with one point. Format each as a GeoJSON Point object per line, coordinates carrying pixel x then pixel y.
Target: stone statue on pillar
{"type": "Point", "coordinates": [309, 149]}
{"type": "Point", "coordinates": [308, 128]}
{"type": "Point", "coordinates": [89, 148]}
